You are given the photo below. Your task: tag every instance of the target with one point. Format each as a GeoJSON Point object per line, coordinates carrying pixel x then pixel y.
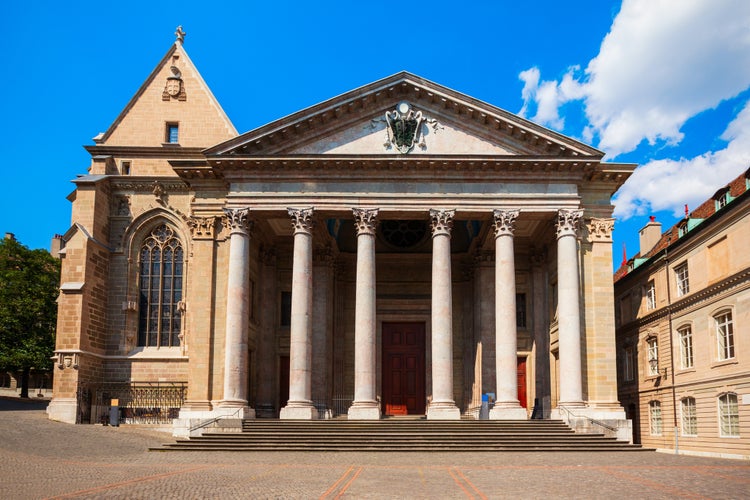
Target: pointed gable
{"type": "Point", "coordinates": [356, 123]}
{"type": "Point", "coordinates": [173, 94]}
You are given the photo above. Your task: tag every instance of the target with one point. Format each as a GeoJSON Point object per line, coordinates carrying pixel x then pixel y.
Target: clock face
{"type": "Point", "coordinates": [403, 107]}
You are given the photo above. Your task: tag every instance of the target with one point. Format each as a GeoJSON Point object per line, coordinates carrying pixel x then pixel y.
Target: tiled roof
{"type": "Point", "coordinates": [705, 210]}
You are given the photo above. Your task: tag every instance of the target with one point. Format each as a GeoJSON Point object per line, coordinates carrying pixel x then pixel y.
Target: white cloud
{"type": "Point", "coordinates": [669, 184]}
{"type": "Point", "coordinates": [661, 63]}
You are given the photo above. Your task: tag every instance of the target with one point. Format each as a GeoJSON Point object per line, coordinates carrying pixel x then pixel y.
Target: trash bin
{"type": "Point", "coordinates": [484, 411]}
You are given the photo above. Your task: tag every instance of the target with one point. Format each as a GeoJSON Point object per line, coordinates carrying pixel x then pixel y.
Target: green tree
{"type": "Point", "coordinates": [29, 285]}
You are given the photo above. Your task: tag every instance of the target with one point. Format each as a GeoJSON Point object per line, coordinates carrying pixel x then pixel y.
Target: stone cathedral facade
{"type": "Point", "coordinates": [402, 249]}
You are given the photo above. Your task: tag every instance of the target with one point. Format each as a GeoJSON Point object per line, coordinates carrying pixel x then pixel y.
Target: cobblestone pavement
{"type": "Point", "coordinates": [44, 459]}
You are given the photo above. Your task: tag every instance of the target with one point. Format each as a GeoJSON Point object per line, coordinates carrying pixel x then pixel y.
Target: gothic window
{"type": "Point", "coordinates": [160, 289]}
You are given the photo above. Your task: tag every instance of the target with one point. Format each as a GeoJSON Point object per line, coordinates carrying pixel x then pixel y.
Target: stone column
{"type": "Point", "coordinates": [540, 322]}
{"type": "Point", "coordinates": [238, 299]}
{"type": "Point", "coordinates": [442, 406]}
{"type": "Point", "coordinates": [507, 406]}
{"type": "Point", "coordinates": [300, 347]}
{"type": "Point", "coordinates": [365, 405]}
{"type": "Point", "coordinates": [568, 308]}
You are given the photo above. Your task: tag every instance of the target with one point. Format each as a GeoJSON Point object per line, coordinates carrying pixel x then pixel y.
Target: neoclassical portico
{"type": "Point", "coordinates": [399, 250]}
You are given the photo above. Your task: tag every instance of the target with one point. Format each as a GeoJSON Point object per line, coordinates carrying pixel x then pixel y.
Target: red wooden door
{"type": "Point", "coordinates": [521, 373]}
{"type": "Point", "coordinates": [403, 368]}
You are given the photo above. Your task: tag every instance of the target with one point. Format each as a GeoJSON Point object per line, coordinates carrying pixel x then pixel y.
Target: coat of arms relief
{"type": "Point", "coordinates": [405, 127]}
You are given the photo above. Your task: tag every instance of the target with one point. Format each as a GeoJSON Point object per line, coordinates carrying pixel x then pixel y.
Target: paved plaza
{"type": "Point", "coordinates": [43, 459]}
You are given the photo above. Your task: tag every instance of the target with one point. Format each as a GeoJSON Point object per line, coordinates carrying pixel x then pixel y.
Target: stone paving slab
{"type": "Point", "coordinates": [43, 459]}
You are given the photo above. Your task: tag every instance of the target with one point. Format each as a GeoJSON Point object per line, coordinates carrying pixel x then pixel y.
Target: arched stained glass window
{"type": "Point", "coordinates": [160, 289]}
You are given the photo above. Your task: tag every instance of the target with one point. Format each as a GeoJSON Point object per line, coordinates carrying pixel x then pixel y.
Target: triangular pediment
{"type": "Point", "coordinates": [363, 122]}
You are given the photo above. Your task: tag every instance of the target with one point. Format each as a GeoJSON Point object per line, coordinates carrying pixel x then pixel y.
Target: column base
{"type": "Point", "coordinates": [298, 411]}
{"type": "Point", "coordinates": [364, 410]}
{"type": "Point", "coordinates": [63, 410]}
{"type": "Point", "coordinates": [508, 411]}
{"type": "Point", "coordinates": [443, 411]}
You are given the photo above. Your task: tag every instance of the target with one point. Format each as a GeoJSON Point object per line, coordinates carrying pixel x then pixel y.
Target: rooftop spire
{"type": "Point", "coordinates": [180, 35]}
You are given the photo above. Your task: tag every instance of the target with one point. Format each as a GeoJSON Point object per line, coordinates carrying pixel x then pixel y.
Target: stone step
{"type": "Point", "coordinates": [401, 435]}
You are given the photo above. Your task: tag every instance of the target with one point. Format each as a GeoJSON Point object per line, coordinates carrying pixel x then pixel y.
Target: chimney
{"type": "Point", "coordinates": [56, 245]}
{"type": "Point", "coordinates": [649, 235]}
{"type": "Point", "coordinates": [10, 236]}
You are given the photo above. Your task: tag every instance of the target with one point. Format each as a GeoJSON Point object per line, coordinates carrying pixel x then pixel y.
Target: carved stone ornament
{"type": "Point", "coordinates": [302, 219]}
{"type": "Point", "coordinates": [441, 221]}
{"type": "Point", "coordinates": [238, 220]}
{"type": "Point", "coordinates": [122, 205]}
{"type": "Point", "coordinates": [600, 229]}
{"type": "Point", "coordinates": [159, 193]}
{"type": "Point", "coordinates": [568, 222]}
{"type": "Point", "coordinates": [67, 360]}
{"type": "Point", "coordinates": [366, 220]}
{"type": "Point", "coordinates": [174, 88]}
{"type": "Point", "coordinates": [404, 127]}
{"type": "Point", "coordinates": [505, 222]}
{"type": "Point", "coordinates": [202, 228]}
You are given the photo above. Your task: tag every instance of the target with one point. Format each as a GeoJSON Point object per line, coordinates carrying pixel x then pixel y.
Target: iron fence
{"type": "Point", "coordinates": [139, 402]}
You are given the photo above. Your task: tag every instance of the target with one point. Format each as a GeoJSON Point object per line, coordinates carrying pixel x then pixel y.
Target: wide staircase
{"type": "Point", "coordinates": [395, 434]}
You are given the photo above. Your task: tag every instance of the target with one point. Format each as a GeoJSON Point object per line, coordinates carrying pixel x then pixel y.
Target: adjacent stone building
{"type": "Point", "coordinates": [399, 249]}
{"type": "Point", "coordinates": [683, 310]}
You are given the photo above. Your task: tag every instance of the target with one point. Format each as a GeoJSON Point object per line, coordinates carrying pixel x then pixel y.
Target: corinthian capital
{"type": "Point", "coordinates": [366, 220]}
{"type": "Point", "coordinates": [238, 220]}
{"type": "Point", "coordinates": [568, 222]}
{"type": "Point", "coordinates": [441, 221]}
{"type": "Point", "coordinates": [302, 219]}
{"type": "Point", "coordinates": [505, 222]}
{"type": "Point", "coordinates": [202, 228]}
{"type": "Point", "coordinates": [600, 229]}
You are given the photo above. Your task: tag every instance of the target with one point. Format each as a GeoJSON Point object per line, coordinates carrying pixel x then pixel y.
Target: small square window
{"type": "Point", "coordinates": [173, 133]}
{"type": "Point", "coordinates": [125, 168]}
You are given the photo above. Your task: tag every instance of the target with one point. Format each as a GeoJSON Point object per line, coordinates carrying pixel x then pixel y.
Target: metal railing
{"type": "Point", "coordinates": [139, 402]}
{"type": "Point", "coordinates": [592, 420]}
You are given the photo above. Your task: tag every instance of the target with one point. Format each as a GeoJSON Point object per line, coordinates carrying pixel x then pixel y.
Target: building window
{"type": "Point", "coordinates": [689, 417]}
{"type": "Point", "coordinates": [628, 369]}
{"type": "Point", "coordinates": [650, 296]}
{"type": "Point", "coordinates": [686, 347]}
{"type": "Point", "coordinates": [653, 356]}
{"type": "Point", "coordinates": [655, 418]}
{"type": "Point", "coordinates": [721, 198]}
{"type": "Point", "coordinates": [729, 415]}
{"type": "Point", "coordinates": [173, 133]}
{"type": "Point", "coordinates": [160, 289]}
{"type": "Point", "coordinates": [286, 309]}
{"type": "Point", "coordinates": [724, 335]}
{"type": "Point", "coordinates": [125, 168]}
{"type": "Point", "coordinates": [682, 229]}
{"type": "Point", "coordinates": [683, 281]}
{"type": "Point", "coordinates": [521, 310]}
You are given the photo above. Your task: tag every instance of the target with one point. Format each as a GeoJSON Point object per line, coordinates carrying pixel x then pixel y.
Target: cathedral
{"type": "Point", "coordinates": [401, 249]}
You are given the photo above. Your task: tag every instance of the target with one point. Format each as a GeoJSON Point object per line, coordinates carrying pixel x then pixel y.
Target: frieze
{"type": "Point", "coordinates": [366, 220]}
{"type": "Point", "coordinates": [505, 222]}
{"type": "Point", "coordinates": [441, 221]}
{"type": "Point", "coordinates": [148, 186]}
{"type": "Point", "coordinates": [302, 219]}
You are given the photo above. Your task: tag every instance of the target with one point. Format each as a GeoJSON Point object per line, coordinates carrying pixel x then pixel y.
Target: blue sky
{"type": "Point", "coordinates": [661, 83]}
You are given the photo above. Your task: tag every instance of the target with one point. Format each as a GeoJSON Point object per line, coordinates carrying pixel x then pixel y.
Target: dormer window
{"type": "Point", "coordinates": [721, 198]}
{"type": "Point", "coordinates": [172, 133]}
{"type": "Point", "coordinates": [682, 229]}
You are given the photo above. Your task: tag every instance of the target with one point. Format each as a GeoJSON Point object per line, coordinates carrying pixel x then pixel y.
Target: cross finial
{"type": "Point", "coordinates": [180, 35]}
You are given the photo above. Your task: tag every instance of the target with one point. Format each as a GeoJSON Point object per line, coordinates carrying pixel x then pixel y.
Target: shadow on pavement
{"type": "Point", "coordinates": [18, 404]}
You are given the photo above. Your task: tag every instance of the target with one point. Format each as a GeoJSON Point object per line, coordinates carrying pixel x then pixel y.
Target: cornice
{"type": "Point", "coordinates": [169, 151]}
{"type": "Point", "coordinates": [147, 184]}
